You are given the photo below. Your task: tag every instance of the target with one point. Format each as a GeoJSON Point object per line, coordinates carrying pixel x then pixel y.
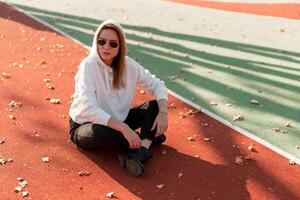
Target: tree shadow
{"type": "Point", "coordinates": [200, 179]}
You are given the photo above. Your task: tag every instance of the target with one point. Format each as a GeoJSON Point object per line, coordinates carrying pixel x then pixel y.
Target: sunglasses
{"type": "Point", "coordinates": [112, 44]}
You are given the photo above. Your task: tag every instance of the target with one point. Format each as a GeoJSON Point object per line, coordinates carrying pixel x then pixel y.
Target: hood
{"type": "Point", "coordinates": [93, 50]}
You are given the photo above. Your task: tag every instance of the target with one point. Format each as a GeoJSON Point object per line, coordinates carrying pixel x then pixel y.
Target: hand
{"type": "Point", "coordinates": [132, 138]}
{"type": "Point", "coordinates": [161, 123]}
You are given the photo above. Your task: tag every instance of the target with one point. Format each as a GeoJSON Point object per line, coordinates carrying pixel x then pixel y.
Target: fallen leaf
{"type": "Point", "coordinates": [292, 162]}
{"type": "Point", "coordinates": [254, 101]}
{"type": "Point", "coordinates": [228, 104]}
{"type": "Point", "coordinates": [204, 124]}
{"type": "Point", "coordinates": [2, 141]}
{"type": "Point", "coordinates": [276, 129]}
{"type": "Point", "coordinates": [22, 184]}
{"type": "Point", "coordinates": [191, 138]}
{"type": "Point", "coordinates": [46, 159]}
{"type": "Point", "coordinates": [84, 173]}
{"type": "Point", "coordinates": [238, 117]}
{"type": "Point", "coordinates": [251, 148]}
{"type": "Point", "coordinates": [47, 98]}
{"type": "Point", "coordinates": [110, 195]}
{"type": "Point", "coordinates": [15, 104]}
{"type": "Point", "coordinates": [164, 152]}
{"type": "Point", "coordinates": [55, 101]}
{"type": "Point", "coordinates": [239, 160]}
{"type": "Point", "coordinates": [288, 124]}
{"type": "Point", "coordinates": [50, 86]}
{"type": "Point", "coordinates": [11, 117]}
{"type": "Point", "coordinates": [25, 194]}
{"type": "Point", "coordinates": [187, 55]}
{"type": "Point", "coordinates": [213, 103]}
{"type": "Point", "coordinates": [18, 189]}
{"type": "Point", "coordinates": [20, 179]}
{"type": "Point", "coordinates": [160, 186]}
{"type": "Point", "coordinates": [171, 105]}
{"type": "Point", "coordinates": [5, 75]}
{"type": "Point", "coordinates": [46, 80]}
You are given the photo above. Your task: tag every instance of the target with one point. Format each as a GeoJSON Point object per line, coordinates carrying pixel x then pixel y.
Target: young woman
{"type": "Point", "coordinates": [104, 87]}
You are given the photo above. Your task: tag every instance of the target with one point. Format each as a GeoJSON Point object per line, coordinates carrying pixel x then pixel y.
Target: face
{"type": "Point", "coordinates": [108, 45]}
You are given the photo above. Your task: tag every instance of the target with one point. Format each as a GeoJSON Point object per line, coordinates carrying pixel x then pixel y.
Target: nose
{"type": "Point", "coordinates": [106, 46]}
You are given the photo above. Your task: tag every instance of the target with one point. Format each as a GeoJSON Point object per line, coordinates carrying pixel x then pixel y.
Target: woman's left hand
{"type": "Point", "coordinates": [161, 123]}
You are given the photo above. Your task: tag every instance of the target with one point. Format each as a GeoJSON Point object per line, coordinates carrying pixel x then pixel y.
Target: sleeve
{"type": "Point", "coordinates": [152, 84]}
{"type": "Point", "coordinates": [86, 92]}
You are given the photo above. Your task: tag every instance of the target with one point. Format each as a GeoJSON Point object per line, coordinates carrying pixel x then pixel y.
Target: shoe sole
{"type": "Point", "coordinates": [134, 167]}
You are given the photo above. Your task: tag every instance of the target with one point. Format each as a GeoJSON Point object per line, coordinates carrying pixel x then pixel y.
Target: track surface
{"type": "Point", "coordinates": [31, 52]}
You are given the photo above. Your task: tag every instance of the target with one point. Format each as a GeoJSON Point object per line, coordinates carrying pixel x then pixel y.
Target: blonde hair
{"type": "Point", "coordinates": [118, 63]}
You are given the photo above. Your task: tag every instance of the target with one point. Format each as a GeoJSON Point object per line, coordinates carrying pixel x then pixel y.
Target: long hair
{"type": "Point", "coordinates": [118, 63]}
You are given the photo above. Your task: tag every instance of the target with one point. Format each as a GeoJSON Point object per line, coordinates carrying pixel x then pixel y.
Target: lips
{"type": "Point", "coordinates": [106, 53]}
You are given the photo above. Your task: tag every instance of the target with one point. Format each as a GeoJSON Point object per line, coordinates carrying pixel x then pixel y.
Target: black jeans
{"type": "Point", "coordinates": [89, 135]}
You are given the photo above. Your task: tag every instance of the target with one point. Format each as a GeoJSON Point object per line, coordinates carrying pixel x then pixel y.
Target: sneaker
{"type": "Point", "coordinates": [159, 140]}
{"type": "Point", "coordinates": [133, 160]}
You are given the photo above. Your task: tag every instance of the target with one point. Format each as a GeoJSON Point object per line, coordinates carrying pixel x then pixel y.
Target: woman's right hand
{"type": "Point", "coordinates": [132, 138]}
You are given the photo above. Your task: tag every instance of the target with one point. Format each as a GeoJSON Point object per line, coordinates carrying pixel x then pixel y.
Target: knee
{"type": "Point", "coordinates": [84, 137]}
{"type": "Point", "coordinates": [153, 106]}
{"type": "Point", "coordinates": [86, 142]}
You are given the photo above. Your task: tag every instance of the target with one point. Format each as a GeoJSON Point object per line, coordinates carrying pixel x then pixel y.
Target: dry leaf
{"type": "Point", "coordinates": [288, 124]}
{"type": "Point", "coordinates": [84, 173]}
{"type": "Point", "coordinates": [15, 104]}
{"type": "Point", "coordinates": [187, 55]}
{"type": "Point", "coordinates": [238, 117]}
{"type": "Point", "coordinates": [212, 103]}
{"type": "Point", "coordinates": [204, 124]}
{"type": "Point", "coordinates": [11, 117]}
{"type": "Point", "coordinates": [47, 98]}
{"type": "Point", "coordinates": [160, 186]}
{"type": "Point", "coordinates": [110, 195]}
{"type": "Point", "coordinates": [2, 141]}
{"type": "Point", "coordinates": [55, 101]}
{"type": "Point", "coordinates": [276, 129]}
{"type": "Point", "coordinates": [25, 194]}
{"type": "Point", "coordinates": [18, 189]}
{"type": "Point", "coordinates": [20, 179]}
{"type": "Point", "coordinates": [239, 160]}
{"type": "Point", "coordinates": [292, 162]}
{"type": "Point", "coordinates": [164, 152]}
{"type": "Point", "coordinates": [46, 159]}
{"type": "Point", "coordinates": [5, 75]}
{"type": "Point", "coordinates": [251, 148]}
{"type": "Point", "coordinates": [50, 86]}
{"type": "Point", "coordinates": [22, 184]}
{"type": "Point", "coordinates": [172, 105]}
{"type": "Point", "coordinates": [254, 101]}
{"type": "Point", "coordinates": [2, 161]}
{"type": "Point", "coordinates": [191, 138]}
{"type": "Point", "coordinates": [46, 80]}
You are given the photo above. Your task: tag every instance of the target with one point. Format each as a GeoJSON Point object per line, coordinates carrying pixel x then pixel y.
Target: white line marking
{"type": "Point", "coordinates": [212, 115]}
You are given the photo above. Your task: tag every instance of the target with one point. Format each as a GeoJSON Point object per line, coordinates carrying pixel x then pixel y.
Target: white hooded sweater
{"type": "Point", "coordinates": [96, 101]}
